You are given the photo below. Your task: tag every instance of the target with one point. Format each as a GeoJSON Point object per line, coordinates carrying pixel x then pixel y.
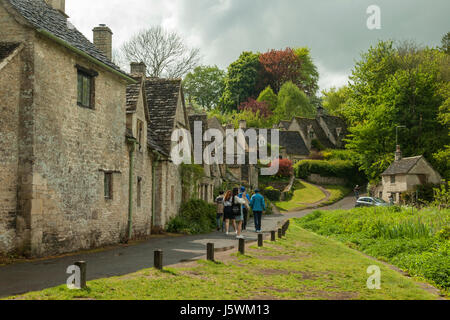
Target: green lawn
{"type": "Point", "coordinates": [301, 266]}
{"type": "Point", "coordinates": [304, 195]}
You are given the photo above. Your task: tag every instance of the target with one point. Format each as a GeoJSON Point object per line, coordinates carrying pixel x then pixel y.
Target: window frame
{"type": "Point", "coordinates": [90, 75]}
{"type": "Point", "coordinates": [108, 193]}
{"type": "Point", "coordinates": [393, 179]}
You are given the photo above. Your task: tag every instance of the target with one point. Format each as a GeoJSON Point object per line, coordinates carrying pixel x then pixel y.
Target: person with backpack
{"type": "Point", "coordinates": [237, 205]}
{"type": "Point", "coordinates": [244, 195]}
{"type": "Point", "coordinates": [258, 205]}
{"type": "Point", "coordinates": [228, 213]}
{"type": "Point", "coordinates": [220, 210]}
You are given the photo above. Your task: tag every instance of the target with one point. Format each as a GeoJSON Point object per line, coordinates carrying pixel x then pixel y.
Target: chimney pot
{"type": "Point", "coordinates": [59, 5]}
{"type": "Point", "coordinates": [103, 39]}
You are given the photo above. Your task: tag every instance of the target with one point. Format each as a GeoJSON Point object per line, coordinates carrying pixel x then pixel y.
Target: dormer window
{"type": "Point", "coordinates": [86, 87]}
{"type": "Point", "coordinates": [338, 131]}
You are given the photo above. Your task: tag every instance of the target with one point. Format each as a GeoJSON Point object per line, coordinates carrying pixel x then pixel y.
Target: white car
{"type": "Point", "coordinates": [371, 202]}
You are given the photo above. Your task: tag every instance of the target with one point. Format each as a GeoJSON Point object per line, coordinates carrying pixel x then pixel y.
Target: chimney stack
{"type": "Point", "coordinates": [103, 39]}
{"type": "Point", "coordinates": [138, 68]}
{"type": "Point", "coordinates": [242, 124]}
{"type": "Point", "coordinates": [59, 5]}
{"type": "Point", "coordinates": [398, 154]}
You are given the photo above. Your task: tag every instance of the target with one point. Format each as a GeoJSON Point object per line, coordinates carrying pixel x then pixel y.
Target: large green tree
{"type": "Point", "coordinates": [390, 87]}
{"type": "Point", "coordinates": [241, 80]}
{"type": "Point", "coordinates": [205, 86]}
{"type": "Point", "coordinates": [309, 76]}
{"type": "Point", "coordinates": [293, 102]}
{"type": "Point", "coordinates": [334, 100]}
{"type": "Point", "coordinates": [268, 96]}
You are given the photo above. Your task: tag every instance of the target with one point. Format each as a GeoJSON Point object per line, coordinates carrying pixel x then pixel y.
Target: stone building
{"type": "Point", "coordinates": [404, 175]}
{"type": "Point", "coordinates": [65, 160]}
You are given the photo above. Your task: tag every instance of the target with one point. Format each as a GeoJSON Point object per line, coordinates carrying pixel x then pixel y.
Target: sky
{"type": "Point", "coordinates": [335, 30]}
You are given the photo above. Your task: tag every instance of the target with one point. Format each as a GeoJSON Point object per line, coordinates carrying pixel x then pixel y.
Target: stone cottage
{"type": "Point", "coordinates": [404, 175]}
{"type": "Point", "coordinates": [65, 160]}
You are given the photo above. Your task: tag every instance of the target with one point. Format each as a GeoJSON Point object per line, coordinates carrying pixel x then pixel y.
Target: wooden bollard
{"type": "Point", "coordinates": [83, 270]}
{"type": "Point", "coordinates": [260, 240]}
{"type": "Point", "coordinates": [210, 252]}
{"type": "Point", "coordinates": [158, 259]}
{"type": "Point", "coordinates": [273, 236]}
{"type": "Point", "coordinates": [242, 246]}
{"type": "Point", "coordinates": [280, 233]}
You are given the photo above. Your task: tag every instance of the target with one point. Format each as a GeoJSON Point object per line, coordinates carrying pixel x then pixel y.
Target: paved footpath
{"type": "Point", "coordinates": [34, 276]}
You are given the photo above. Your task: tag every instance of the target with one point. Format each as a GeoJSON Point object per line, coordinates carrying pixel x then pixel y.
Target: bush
{"type": "Point", "coordinates": [272, 194]}
{"type": "Point", "coordinates": [285, 168]}
{"type": "Point", "coordinates": [196, 217]}
{"type": "Point", "coordinates": [345, 169]}
{"type": "Point", "coordinates": [317, 145]}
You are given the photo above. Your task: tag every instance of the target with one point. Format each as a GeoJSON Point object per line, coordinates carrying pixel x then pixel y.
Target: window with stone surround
{"type": "Point", "coordinates": [108, 185]}
{"type": "Point", "coordinates": [393, 179]}
{"type": "Point", "coordinates": [138, 192]}
{"type": "Point", "coordinates": [140, 127]}
{"type": "Point", "coordinates": [86, 87]}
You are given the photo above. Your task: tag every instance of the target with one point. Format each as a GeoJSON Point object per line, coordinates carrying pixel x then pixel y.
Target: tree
{"type": "Point", "coordinates": [240, 82]}
{"type": "Point", "coordinates": [165, 53]}
{"type": "Point", "coordinates": [279, 67]}
{"type": "Point", "coordinates": [268, 96]}
{"type": "Point", "coordinates": [392, 87]}
{"type": "Point", "coordinates": [256, 106]}
{"type": "Point", "coordinates": [334, 100]}
{"type": "Point", "coordinates": [205, 86]}
{"type": "Point", "coordinates": [446, 43]}
{"type": "Point", "coordinates": [285, 166]}
{"type": "Point", "coordinates": [309, 76]}
{"type": "Point", "coordinates": [293, 102]}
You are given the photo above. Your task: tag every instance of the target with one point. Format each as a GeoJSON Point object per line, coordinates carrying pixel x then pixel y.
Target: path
{"type": "Point", "coordinates": [34, 276]}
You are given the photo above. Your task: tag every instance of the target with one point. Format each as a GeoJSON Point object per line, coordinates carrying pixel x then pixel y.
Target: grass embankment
{"type": "Point", "coordinates": [416, 241]}
{"type": "Point", "coordinates": [337, 193]}
{"type": "Point", "coordinates": [305, 194]}
{"type": "Point", "coordinates": [301, 266]}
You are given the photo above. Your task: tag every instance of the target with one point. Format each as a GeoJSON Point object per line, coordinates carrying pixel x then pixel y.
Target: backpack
{"type": "Point", "coordinates": [236, 208]}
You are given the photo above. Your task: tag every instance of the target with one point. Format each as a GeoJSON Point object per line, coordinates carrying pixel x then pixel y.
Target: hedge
{"type": "Point", "coordinates": [272, 194]}
{"type": "Point", "coordinates": [345, 169]}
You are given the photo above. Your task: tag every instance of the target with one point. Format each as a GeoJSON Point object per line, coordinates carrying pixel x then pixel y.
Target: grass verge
{"type": "Point", "coordinates": [303, 266]}
{"type": "Point", "coordinates": [305, 194]}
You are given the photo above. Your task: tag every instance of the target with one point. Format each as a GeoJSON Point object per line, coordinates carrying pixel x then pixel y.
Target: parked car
{"type": "Point", "coordinates": [371, 202]}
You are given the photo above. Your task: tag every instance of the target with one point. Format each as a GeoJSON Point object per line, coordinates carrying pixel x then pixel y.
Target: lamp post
{"type": "Point", "coordinates": [396, 134]}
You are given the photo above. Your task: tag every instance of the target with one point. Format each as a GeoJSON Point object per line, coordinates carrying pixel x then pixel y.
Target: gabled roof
{"type": "Point", "coordinates": [134, 91]}
{"type": "Point", "coordinates": [6, 48]}
{"type": "Point", "coordinates": [162, 99]}
{"type": "Point", "coordinates": [284, 124]}
{"type": "Point", "coordinates": [41, 16]}
{"type": "Point", "coordinates": [333, 123]}
{"type": "Point", "coordinates": [403, 166]}
{"type": "Point", "coordinates": [305, 123]}
{"type": "Point", "coordinates": [293, 142]}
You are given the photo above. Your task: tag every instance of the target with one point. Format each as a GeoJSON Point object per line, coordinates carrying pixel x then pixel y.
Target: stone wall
{"type": "Point", "coordinates": [73, 149]}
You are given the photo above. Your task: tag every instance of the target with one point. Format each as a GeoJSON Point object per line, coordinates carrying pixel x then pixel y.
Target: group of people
{"type": "Point", "coordinates": [234, 206]}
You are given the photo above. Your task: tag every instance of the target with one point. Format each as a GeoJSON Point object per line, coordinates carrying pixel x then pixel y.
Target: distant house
{"type": "Point", "coordinates": [404, 175]}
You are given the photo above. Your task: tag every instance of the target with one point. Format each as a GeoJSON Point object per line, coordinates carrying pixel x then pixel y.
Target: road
{"type": "Point", "coordinates": [34, 276]}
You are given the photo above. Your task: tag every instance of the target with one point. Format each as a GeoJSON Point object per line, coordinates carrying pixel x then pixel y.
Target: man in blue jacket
{"type": "Point", "coordinates": [258, 206]}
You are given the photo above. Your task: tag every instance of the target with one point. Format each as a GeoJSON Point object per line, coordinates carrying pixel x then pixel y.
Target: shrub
{"type": "Point", "coordinates": [345, 169]}
{"type": "Point", "coordinates": [195, 217]}
{"type": "Point", "coordinates": [272, 194]}
{"type": "Point", "coordinates": [317, 145]}
{"type": "Point", "coordinates": [285, 168]}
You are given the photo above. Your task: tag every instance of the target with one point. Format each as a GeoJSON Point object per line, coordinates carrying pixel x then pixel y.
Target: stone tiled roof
{"type": "Point", "coordinates": [293, 142]}
{"type": "Point", "coordinates": [162, 99]}
{"type": "Point", "coordinates": [133, 93]}
{"type": "Point", "coordinates": [403, 166]}
{"type": "Point", "coordinates": [333, 123]}
{"type": "Point", "coordinates": [42, 16]}
{"type": "Point", "coordinates": [284, 125]}
{"type": "Point", "coordinates": [305, 123]}
{"type": "Point", "coordinates": [6, 48]}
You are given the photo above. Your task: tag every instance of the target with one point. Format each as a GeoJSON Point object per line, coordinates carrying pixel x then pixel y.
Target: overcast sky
{"type": "Point", "coordinates": [335, 30]}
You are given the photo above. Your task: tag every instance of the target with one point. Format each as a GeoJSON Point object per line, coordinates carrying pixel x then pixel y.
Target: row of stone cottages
{"type": "Point", "coordinates": [84, 146]}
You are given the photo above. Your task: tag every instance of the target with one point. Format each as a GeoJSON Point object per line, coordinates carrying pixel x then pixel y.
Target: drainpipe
{"type": "Point", "coordinates": [133, 143]}
{"type": "Point", "coordinates": [155, 163]}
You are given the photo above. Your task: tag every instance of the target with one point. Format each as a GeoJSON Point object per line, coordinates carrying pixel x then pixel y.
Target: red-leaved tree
{"type": "Point", "coordinates": [285, 166]}
{"type": "Point", "coordinates": [278, 67]}
{"type": "Point", "coordinates": [255, 106]}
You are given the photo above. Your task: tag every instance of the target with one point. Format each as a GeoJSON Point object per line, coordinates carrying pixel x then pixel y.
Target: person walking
{"type": "Point", "coordinates": [228, 213]}
{"type": "Point", "coordinates": [237, 204]}
{"type": "Point", "coordinates": [244, 195]}
{"type": "Point", "coordinates": [258, 205]}
{"type": "Point", "coordinates": [220, 211]}
{"type": "Point", "coordinates": [356, 190]}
